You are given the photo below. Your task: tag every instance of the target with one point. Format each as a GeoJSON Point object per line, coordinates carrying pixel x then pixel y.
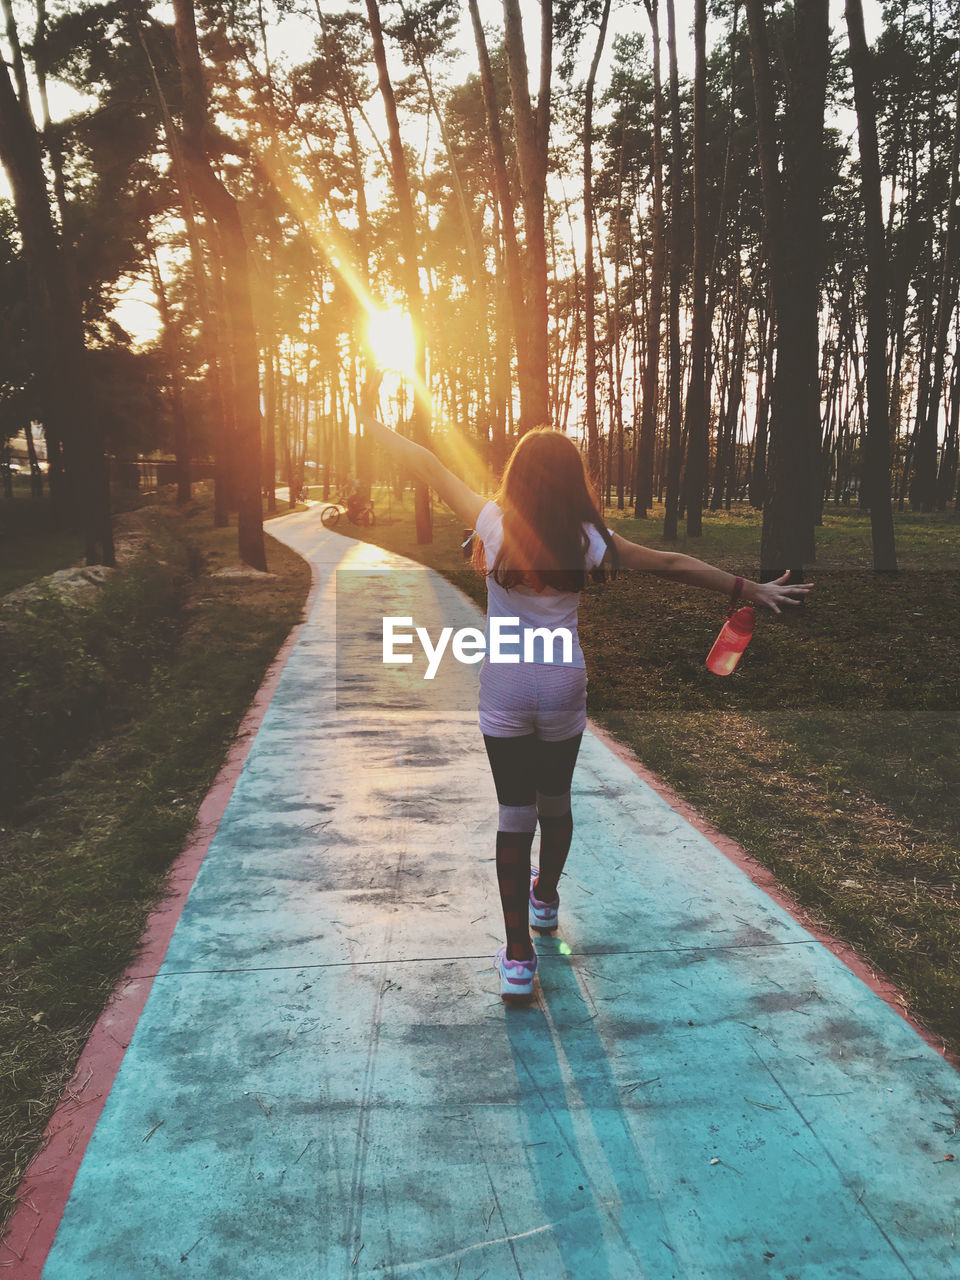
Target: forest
{"type": "Point", "coordinates": [714, 242]}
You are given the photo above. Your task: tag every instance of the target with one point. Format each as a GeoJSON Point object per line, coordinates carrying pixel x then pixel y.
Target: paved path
{"type": "Point", "coordinates": [701, 1089]}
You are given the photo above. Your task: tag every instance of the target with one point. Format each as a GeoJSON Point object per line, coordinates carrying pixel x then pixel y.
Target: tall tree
{"type": "Point", "coordinates": [792, 211]}
{"type": "Point", "coordinates": [503, 193]}
{"type": "Point", "coordinates": [923, 493]}
{"type": "Point", "coordinates": [171, 343]}
{"type": "Point", "coordinates": [60, 356]}
{"type": "Point", "coordinates": [877, 462]}
{"type": "Point", "coordinates": [674, 437]}
{"type": "Point", "coordinates": [589, 265]}
{"type": "Point", "coordinates": [532, 127]}
{"type": "Point", "coordinates": [697, 390]}
{"type": "Point", "coordinates": [197, 148]}
{"type": "Point", "coordinates": [214, 347]}
{"type": "Point", "coordinates": [410, 264]}
{"type": "Point", "coordinates": [651, 372]}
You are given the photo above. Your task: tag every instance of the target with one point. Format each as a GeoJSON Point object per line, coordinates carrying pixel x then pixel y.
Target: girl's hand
{"type": "Point", "coordinates": [773, 594]}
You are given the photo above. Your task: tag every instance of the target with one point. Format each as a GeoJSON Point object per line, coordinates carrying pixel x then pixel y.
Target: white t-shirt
{"type": "Point", "coordinates": [547, 608]}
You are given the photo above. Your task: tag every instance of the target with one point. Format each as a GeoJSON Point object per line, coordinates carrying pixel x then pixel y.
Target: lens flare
{"type": "Point", "coordinates": [390, 334]}
{"type": "Point", "coordinates": [337, 252]}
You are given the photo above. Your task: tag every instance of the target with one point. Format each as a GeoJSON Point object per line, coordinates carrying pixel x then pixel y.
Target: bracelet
{"type": "Point", "coordinates": [735, 595]}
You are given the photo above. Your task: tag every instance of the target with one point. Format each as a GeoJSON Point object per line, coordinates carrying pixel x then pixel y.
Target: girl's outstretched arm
{"type": "Point", "coordinates": [671, 564]}
{"type": "Point", "coordinates": [428, 467]}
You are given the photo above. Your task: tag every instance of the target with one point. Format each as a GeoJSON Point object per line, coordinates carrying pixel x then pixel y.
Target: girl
{"type": "Point", "coordinates": [537, 541]}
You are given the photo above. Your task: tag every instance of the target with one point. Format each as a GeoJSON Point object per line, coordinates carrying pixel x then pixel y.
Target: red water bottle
{"type": "Point", "coordinates": [731, 642]}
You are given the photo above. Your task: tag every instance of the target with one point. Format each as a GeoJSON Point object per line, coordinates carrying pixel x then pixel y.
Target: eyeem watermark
{"type": "Point", "coordinates": [469, 644]}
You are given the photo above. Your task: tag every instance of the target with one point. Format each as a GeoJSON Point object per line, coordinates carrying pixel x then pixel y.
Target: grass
{"type": "Point", "coordinates": [176, 654]}
{"type": "Point", "coordinates": [32, 543]}
{"type": "Point", "coordinates": [831, 752]}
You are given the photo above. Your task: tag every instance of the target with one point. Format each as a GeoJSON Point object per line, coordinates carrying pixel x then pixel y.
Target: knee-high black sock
{"type": "Point", "coordinates": [556, 832]}
{"type": "Point", "coordinates": [513, 877]}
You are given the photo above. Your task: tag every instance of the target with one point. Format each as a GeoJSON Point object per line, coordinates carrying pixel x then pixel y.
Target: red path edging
{"type": "Point", "coordinates": [764, 878]}
{"type": "Point", "coordinates": [45, 1187]}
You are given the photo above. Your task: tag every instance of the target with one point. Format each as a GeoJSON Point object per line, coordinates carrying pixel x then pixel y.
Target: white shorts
{"type": "Point", "coordinates": [517, 698]}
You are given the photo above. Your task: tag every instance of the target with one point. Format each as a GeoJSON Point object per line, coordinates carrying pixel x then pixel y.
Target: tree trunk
{"type": "Point", "coordinates": [643, 496]}
{"type": "Point", "coordinates": [36, 475]}
{"type": "Point", "coordinates": [504, 197]}
{"type": "Point", "coordinates": [925, 491]}
{"type": "Point", "coordinates": [57, 331]}
{"type": "Point", "coordinates": [420, 419]}
{"type": "Point", "coordinates": [171, 351]}
{"type": "Point", "coordinates": [616, 360]}
{"type": "Point", "coordinates": [222, 210]}
{"type": "Point", "coordinates": [758, 474]}
{"type": "Point", "coordinates": [877, 452]}
{"type": "Point", "coordinates": [212, 349]}
{"type": "Point", "coordinates": [697, 404]}
{"type": "Point", "coordinates": [532, 132]}
{"type": "Point", "coordinates": [947, 477]}
{"type": "Point", "coordinates": [674, 456]}
{"type": "Point", "coordinates": [793, 222]}
{"type": "Point", "coordinates": [51, 141]}
{"type": "Point", "coordinates": [223, 213]}
{"type": "Point", "coordinates": [270, 427]}
{"type": "Point", "coordinates": [923, 483]}
{"type": "Point", "coordinates": [589, 269]}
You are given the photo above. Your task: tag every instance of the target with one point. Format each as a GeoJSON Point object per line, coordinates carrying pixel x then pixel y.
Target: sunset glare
{"type": "Point", "coordinates": [390, 334]}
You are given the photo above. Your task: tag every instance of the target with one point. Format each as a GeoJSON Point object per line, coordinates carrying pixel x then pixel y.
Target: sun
{"type": "Point", "coordinates": [390, 334]}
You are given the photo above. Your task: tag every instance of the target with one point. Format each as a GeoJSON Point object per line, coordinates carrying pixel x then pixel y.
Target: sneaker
{"type": "Point", "coordinates": [543, 915]}
{"type": "Point", "coordinates": [516, 976]}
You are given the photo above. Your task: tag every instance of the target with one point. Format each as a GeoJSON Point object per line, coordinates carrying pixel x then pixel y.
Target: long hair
{"type": "Point", "coordinates": [546, 498]}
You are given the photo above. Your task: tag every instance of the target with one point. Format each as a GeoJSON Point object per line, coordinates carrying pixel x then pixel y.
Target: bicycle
{"type": "Point", "coordinates": [358, 511]}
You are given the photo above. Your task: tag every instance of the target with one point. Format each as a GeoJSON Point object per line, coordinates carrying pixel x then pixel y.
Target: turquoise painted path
{"type": "Point", "coordinates": [700, 1090]}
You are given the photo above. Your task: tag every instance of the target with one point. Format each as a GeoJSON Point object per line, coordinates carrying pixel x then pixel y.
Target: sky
{"type": "Point", "coordinates": [293, 37]}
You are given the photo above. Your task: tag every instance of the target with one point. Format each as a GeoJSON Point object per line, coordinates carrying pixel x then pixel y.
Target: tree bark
{"type": "Point", "coordinates": [758, 473]}
{"type": "Point", "coordinates": [589, 270]}
{"type": "Point", "coordinates": [675, 442]}
{"type": "Point", "coordinates": [57, 330]}
{"type": "Point", "coordinates": [213, 350]}
{"type": "Point", "coordinates": [222, 210]}
{"type": "Point", "coordinates": [877, 459]}
{"type": "Point", "coordinates": [924, 493]}
{"type": "Point", "coordinates": [420, 418]}
{"type": "Point", "coordinates": [643, 489]}
{"type": "Point", "coordinates": [532, 134]}
{"type": "Point", "coordinates": [171, 350]}
{"type": "Point", "coordinates": [697, 405]}
{"type": "Point", "coordinates": [947, 476]}
{"type": "Point", "coordinates": [793, 223]}
{"type": "Point", "coordinates": [504, 198]}
{"type": "Point", "coordinates": [269, 481]}
{"type": "Point", "coordinates": [36, 475]}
